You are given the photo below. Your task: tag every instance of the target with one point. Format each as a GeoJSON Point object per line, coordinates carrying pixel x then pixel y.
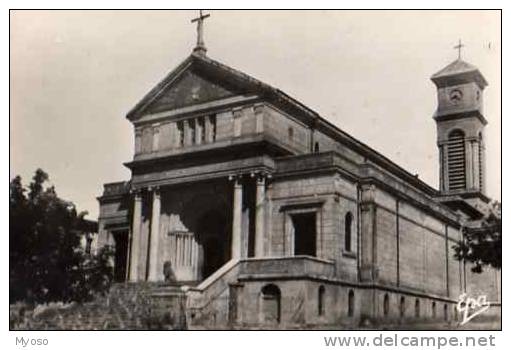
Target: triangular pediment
{"type": "Point", "coordinates": [191, 88]}
{"type": "Point", "coordinates": [195, 81]}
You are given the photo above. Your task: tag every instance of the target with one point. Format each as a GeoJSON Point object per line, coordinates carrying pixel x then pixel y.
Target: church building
{"type": "Point", "coordinates": [265, 214]}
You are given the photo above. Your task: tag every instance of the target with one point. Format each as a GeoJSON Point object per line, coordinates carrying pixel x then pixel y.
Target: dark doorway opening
{"type": "Point", "coordinates": [214, 237]}
{"type": "Point", "coordinates": [305, 233]}
{"type": "Point", "coordinates": [121, 255]}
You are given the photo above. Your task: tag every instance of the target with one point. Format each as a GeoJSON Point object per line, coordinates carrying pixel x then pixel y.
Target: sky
{"type": "Point", "coordinates": [75, 74]}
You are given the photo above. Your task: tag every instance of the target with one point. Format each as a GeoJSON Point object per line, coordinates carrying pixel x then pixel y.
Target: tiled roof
{"type": "Point", "coordinates": [459, 71]}
{"type": "Point", "coordinates": [456, 67]}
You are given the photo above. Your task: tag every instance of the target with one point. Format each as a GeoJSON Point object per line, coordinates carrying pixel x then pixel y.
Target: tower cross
{"type": "Point", "coordinates": [459, 47]}
{"type": "Point", "coordinates": [200, 48]}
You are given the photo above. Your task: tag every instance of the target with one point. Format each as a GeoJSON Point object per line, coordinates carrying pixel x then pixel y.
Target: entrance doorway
{"type": "Point", "coordinates": [214, 236]}
{"type": "Point", "coordinates": [121, 255]}
{"type": "Point", "coordinates": [305, 233]}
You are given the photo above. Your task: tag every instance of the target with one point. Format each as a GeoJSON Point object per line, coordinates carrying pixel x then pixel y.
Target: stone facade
{"type": "Point", "coordinates": [269, 216]}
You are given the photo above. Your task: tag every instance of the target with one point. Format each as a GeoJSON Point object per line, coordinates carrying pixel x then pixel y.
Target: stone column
{"type": "Point", "coordinates": [259, 215]}
{"type": "Point", "coordinates": [237, 207]}
{"type": "Point", "coordinates": [155, 233]}
{"type": "Point", "coordinates": [135, 238]}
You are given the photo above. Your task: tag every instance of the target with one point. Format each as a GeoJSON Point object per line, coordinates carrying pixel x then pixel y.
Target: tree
{"type": "Point", "coordinates": [482, 243]}
{"type": "Point", "coordinates": [46, 260]}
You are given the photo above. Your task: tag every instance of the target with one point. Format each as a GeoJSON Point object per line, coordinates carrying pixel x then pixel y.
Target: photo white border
{"type": "Point", "coordinates": [232, 339]}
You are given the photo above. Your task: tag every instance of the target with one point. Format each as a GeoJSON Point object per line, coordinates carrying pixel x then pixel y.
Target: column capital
{"type": "Point", "coordinates": [368, 193]}
{"type": "Point", "coordinates": [137, 192]}
{"type": "Point", "coordinates": [154, 189]}
{"type": "Point", "coordinates": [258, 107]}
{"type": "Point", "coordinates": [235, 177]}
{"type": "Point", "coordinates": [261, 176]}
{"type": "Point", "coordinates": [237, 109]}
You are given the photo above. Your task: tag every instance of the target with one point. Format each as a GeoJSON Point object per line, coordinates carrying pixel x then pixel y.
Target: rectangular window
{"type": "Point", "coordinates": [191, 124]}
{"type": "Point", "coordinates": [181, 133]}
{"type": "Point", "coordinates": [305, 233]}
{"type": "Point", "coordinates": [201, 130]}
{"type": "Point", "coordinates": [212, 121]}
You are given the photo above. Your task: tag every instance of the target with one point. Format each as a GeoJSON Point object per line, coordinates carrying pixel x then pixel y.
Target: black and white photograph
{"type": "Point", "coordinates": [254, 170]}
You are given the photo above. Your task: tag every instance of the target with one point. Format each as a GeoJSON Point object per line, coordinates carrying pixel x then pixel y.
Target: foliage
{"type": "Point", "coordinates": [482, 244]}
{"type": "Point", "coordinates": [46, 260]}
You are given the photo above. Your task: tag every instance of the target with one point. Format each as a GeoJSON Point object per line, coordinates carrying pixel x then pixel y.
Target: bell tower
{"type": "Point", "coordinates": [460, 129]}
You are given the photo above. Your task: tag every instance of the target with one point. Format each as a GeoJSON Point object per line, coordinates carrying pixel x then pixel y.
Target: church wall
{"type": "Point", "coordinates": [332, 212]}
{"type": "Point", "coordinates": [278, 125]}
{"type": "Point", "coordinates": [325, 143]}
{"type": "Point", "coordinates": [345, 203]}
{"type": "Point", "coordinates": [302, 304]}
{"type": "Point", "coordinates": [147, 139]}
{"type": "Point", "coordinates": [167, 137]}
{"type": "Point", "coordinates": [224, 125]}
{"type": "Point", "coordinates": [248, 121]}
{"type": "Point", "coordinates": [486, 283]}
{"type": "Point", "coordinates": [387, 246]}
{"type": "Point", "coordinates": [411, 256]}
{"type": "Point", "coordinates": [435, 265]}
{"type": "Point", "coordinates": [456, 274]}
{"type": "Point", "coordinates": [112, 209]}
{"type": "Point", "coordinates": [299, 304]}
{"type": "Point", "coordinates": [286, 192]}
{"type": "Point", "coordinates": [422, 254]}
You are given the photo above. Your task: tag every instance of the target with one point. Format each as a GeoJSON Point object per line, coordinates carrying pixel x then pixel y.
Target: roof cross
{"type": "Point", "coordinates": [459, 47]}
{"type": "Point", "coordinates": [200, 48]}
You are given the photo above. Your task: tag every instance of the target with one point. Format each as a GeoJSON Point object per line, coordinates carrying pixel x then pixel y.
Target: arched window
{"type": "Point", "coordinates": [456, 160]}
{"type": "Point", "coordinates": [402, 307]}
{"type": "Point", "coordinates": [316, 147]}
{"type": "Point", "coordinates": [386, 305]}
{"type": "Point", "coordinates": [417, 308]}
{"type": "Point", "coordinates": [321, 301]}
{"type": "Point", "coordinates": [446, 312]}
{"type": "Point", "coordinates": [348, 222]}
{"type": "Point", "coordinates": [351, 303]}
{"type": "Point", "coordinates": [270, 304]}
{"type": "Point", "coordinates": [433, 309]}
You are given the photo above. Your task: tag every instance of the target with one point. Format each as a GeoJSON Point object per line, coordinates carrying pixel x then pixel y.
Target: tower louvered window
{"type": "Point", "coordinates": [456, 160]}
{"type": "Point", "coordinates": [481, 162]}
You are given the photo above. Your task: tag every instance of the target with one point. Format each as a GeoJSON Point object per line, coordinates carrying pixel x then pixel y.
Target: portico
{"type": "Point", "coordinates": [185, 233]}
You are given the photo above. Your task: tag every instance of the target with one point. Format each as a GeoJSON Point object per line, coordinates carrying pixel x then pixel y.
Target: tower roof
{"type": "Point", "coordinates": [459, 72]}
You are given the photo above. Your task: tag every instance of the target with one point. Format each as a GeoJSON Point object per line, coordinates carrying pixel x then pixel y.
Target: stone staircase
{"type": "Point", "coordinates": [127, 306]}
